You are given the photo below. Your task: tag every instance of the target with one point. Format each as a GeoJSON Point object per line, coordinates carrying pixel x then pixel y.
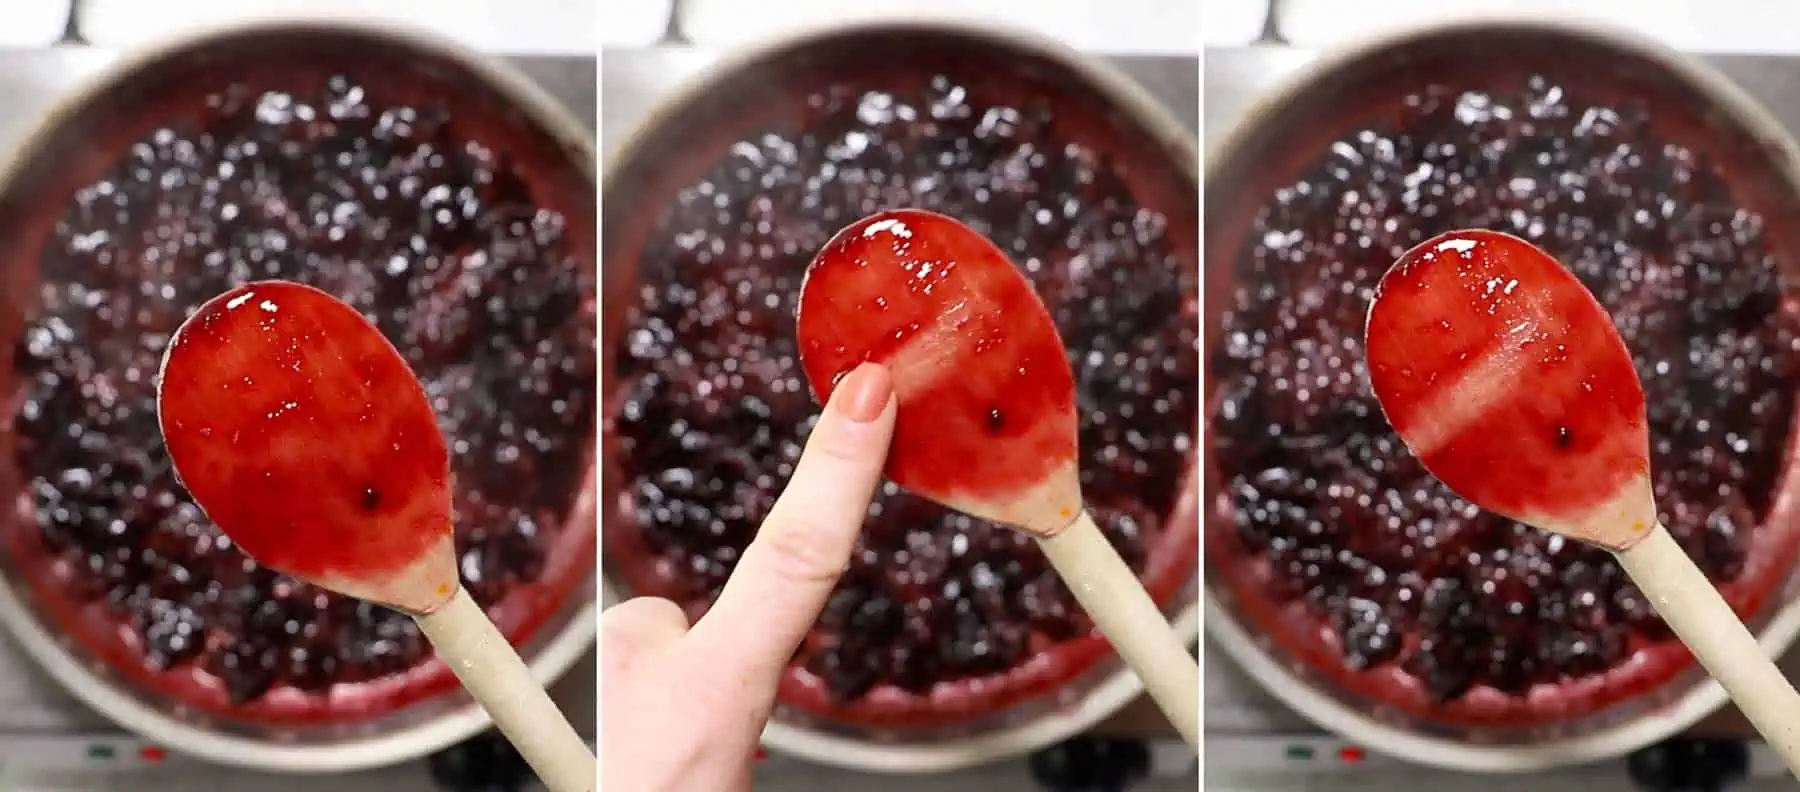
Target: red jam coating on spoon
{"type": "Point", "coordinates": [986, 394]}
{"type": "Point", "coordinates": [304, 435]}
{"type": "Point", "coordinates": [1506, 377]}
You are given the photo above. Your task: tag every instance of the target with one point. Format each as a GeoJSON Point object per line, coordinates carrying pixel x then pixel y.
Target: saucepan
{"type": "Point", "coordinates": [1542, 129]}
{"type": "Point", "coordinates": [541, 168]}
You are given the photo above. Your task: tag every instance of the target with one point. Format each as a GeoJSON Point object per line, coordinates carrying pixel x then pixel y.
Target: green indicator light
{"type": "Point", "coordinates": [100, 752]}
{"type": "Point", "coordinates": [1301, 752]}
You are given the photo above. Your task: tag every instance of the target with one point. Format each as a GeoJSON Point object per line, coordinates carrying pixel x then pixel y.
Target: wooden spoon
{"type": "Point", "coordinates": [302, 433]}
{"type": "Point", "coordinates": [1507, 379]}
{"type": "Point", "coordinates": [986, 421]}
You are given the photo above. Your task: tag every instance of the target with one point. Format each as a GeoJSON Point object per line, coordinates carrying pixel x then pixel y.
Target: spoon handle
{"type": "Point", "coordinates": [1117, 602]}
{"type": "Point", "coordinates": [481, 657]}
{"type": "Point", "coordinates": [1693, 609]}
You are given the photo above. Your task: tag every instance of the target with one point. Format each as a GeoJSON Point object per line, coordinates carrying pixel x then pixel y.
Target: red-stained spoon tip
{"type": "Point", "coordinates": [306, 438]}
{"type": "Point", "coordinates": [987, 421]}
{"type": "Point", "coordinates": [1507, 379]}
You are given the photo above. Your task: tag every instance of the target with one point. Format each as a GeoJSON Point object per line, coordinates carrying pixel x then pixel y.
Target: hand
{"type": "Point", "coordinates": [682, 708]}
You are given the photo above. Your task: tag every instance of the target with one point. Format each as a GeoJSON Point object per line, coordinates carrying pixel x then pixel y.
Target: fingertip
{"type": "Point", "coordinates": [865, 394]}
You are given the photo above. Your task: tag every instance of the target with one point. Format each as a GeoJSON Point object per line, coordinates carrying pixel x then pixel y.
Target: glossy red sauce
{"type": "Point", "coordinates": [303, 434]}
{"type": "Point", "coordinates": [987, 398]}
{"type": "Point", "coordinates": [1507, 378]}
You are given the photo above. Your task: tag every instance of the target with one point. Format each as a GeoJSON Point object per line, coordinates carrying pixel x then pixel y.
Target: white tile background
{"type": "Point", "coordinates": [633, 23]}
{"type": "Point", "coordinates": [1113, 27]}
{"type": "Point", "coordinates": [519, 27]}
{"type": "Point", "coordinates": [33, 23]}
{"type": "Point", "coordinates": [1714, 26]}
{"type": "Point", "coordinates": [558, 27]}
{"type": "Point", "coordinates": [1228, 23]}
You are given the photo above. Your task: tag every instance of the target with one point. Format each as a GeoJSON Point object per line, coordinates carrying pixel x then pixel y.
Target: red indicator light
{"type": "Point", "coordinates": [151, 753]}
{"type": "Point", "coordinates": [1351, 754]}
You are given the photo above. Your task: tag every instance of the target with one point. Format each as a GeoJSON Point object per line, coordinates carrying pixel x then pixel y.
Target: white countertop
{"type": "Point", "coordinates": [1713, 26]}
{"type": "Point", "coordinates": [565, 27]}
{"type": "Point", "coordinates": [515, 27]}
{"type": "Point", "coordinates": [34, 23]}
{"type": "Point", "coordinates": [1109, 27]}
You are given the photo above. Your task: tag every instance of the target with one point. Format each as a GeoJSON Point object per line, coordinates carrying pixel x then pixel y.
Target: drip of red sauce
{"type": "Point", "coordinates": [1506, 377]}
{"type": "Point", "coordinates": [987, 399]}
{"type": "Point", "coordinates": [303, 434]}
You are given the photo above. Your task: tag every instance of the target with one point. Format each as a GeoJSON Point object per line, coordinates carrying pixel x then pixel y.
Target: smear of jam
{"type": "Point", "coordinates": [303, 434]}
{"type": "Point", "coordinates": [986, 398]}
{"type": "Point", "coordinates": [1484, 352]}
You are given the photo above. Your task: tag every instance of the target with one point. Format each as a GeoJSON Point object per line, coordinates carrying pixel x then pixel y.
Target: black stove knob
{"type": "Point", "coordinates": [1690, 765]}
{"type": "Point", "coordinates": [1091, 764]}
{"type": "Point", "coordinates": [485, 763]}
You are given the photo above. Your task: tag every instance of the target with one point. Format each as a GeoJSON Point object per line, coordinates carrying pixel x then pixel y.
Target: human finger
{"type": "Point", "coordinates": [784, 577]}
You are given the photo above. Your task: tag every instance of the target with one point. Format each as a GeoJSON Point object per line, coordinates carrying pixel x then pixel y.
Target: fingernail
{"type": "Point", "coordinates": [864, 394]}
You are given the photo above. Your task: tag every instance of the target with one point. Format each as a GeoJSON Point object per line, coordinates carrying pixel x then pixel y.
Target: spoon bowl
{"type": "Point", "coordinates": [308, 441]}
{"type": "Point", "coordinates": [1507, 379]}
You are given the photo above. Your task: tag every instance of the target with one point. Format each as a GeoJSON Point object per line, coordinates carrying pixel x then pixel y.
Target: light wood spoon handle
{"type": "Point", "coordinates": [1117, 602]}
{"type": "Point", "coordinates": [481, 657]}
{"type": "Point", "coordinates": [1690, 604]}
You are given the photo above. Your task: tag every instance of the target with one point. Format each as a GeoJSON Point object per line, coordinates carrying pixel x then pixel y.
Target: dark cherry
{"type": "Point", "coordinates": [715, 404]}
{"type": "Point", "coordinates": [381, 203]}
{"type": "Point", "coordinates": [1351, 525]}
